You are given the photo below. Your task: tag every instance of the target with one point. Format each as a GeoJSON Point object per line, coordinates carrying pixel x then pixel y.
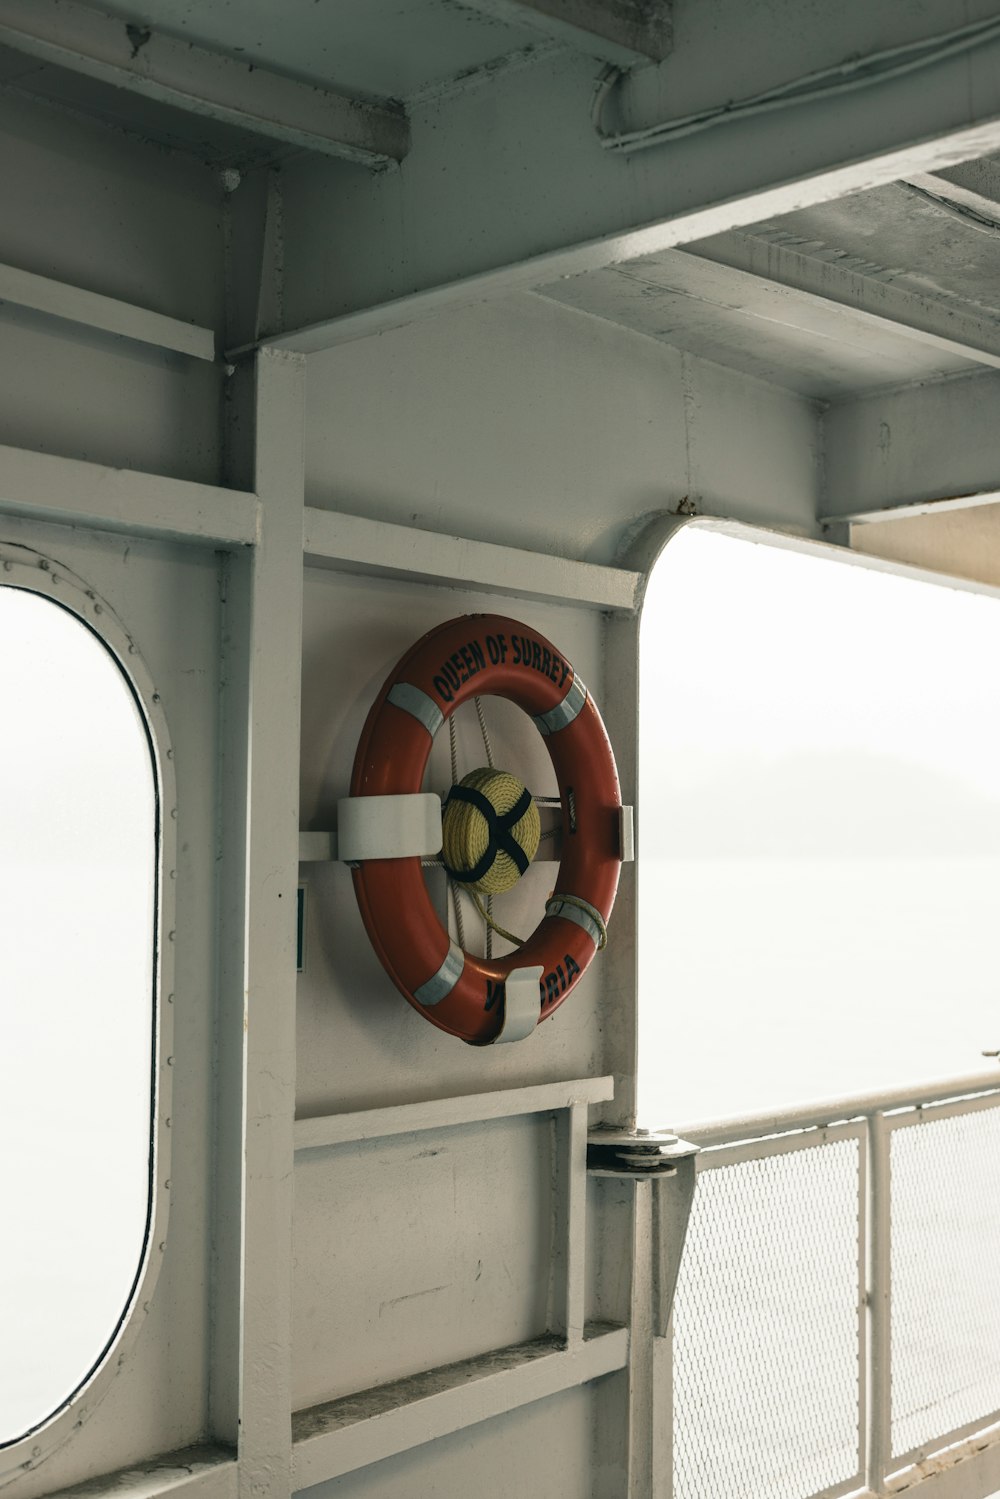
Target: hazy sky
{"type": "Point", "coordinates": [819, 829]}
{"type": "Point", "coordinates": [766, 651]}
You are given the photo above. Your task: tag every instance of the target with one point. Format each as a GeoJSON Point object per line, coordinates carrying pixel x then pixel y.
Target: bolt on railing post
{"type": "Point", "coordinates": [879, 1304]}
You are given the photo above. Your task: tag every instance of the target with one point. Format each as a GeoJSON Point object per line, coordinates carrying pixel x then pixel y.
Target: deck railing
{"type": "Point", "coordinates": [836, 1328]}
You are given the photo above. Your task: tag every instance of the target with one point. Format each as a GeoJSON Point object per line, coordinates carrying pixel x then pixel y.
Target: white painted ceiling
{"type": "Point", "coordinates": [390, 49]}
{"type": "Point", "coordinates": [375, 50]}
{"type": "Point", "coordinates": [697, 299]}
{"type": "Point", "coordinates": [900, 236]}
{"type": "Point", "coordinates": [775, 335]}
{"type": "Point", "coordinates": [891, 237]}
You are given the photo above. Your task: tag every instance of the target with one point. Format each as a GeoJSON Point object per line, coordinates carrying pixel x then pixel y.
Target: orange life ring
{"type": "Point", "coordinates": [488, 654]}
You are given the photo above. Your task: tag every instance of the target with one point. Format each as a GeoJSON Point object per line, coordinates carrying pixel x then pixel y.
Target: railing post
{"type": "Point", "coordinates": [879, 1304]}
{"type": "Point", "coordinates": [663, 1415]}
{"type": "Point", "coordinates": [567, 1285]}
{"type": "Point", "coordinates": [662, 1170]}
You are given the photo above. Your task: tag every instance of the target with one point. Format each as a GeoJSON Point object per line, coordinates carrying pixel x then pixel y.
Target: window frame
{"type": "Point", "coordinates": [24, 568]}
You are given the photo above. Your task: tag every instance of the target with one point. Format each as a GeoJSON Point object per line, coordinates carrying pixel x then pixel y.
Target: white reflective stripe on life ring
{"type": "Point", "coordinates": [563, 714]}
{"type": "Point", "coordinates": [581, 914]}
{"type": "Point", "coordinates": [440, 984]}
{"type": "Point", "coordinates": [414, 700]}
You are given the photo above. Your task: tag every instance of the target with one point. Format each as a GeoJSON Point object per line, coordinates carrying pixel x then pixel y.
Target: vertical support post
{"type": "Point", "coordinates": [641, 1358]}
{"type": "Point", "coordinates": [227, 1194]}
{"type": "Point", "coordinates": [879, 1305]}
{"type": "Point", "coordinates": [621, 968]}
{"type": "Point", "coordinates": [663, 1415]}
{"type": "Point", "coordinates": [265, 1443]}
{"type": "Point", "coordinates": [672, 1200]}
{"type": "Point", "coordinates": [864, 1316]}
{"type": "Point", "coordinates": [621, 694]}
{"type": "Point", "coordinates": [569, 1237]}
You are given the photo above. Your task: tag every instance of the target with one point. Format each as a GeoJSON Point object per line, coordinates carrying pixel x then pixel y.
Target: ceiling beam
{"type": "Point", "coordinates": [74, 304]}
{"type": "Point", "coordinates": [69, 491]}
{"type": "Point", "coordinates": [972, 185]}
{"type": "Point", "coordinates": [508, 186]}
{"type": "Point", "coordinates": [910, 510]}
{"type": "Point", "coordinates": [757, 267]}
{"type": "Point", "coordinates": [929, 447]}
{"type": "Point", "coordinates": [624, 32]}
{"type": "Point", "coordinates": [204, 83]}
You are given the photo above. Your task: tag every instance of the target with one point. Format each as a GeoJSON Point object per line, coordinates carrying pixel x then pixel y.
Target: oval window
{"type": "Point", "coordinates": [78, 876]}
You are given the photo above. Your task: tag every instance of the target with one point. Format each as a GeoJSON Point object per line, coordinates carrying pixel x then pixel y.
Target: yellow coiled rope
{"type": "Point", "coordinates": [490, 834]}
{"type": "Point", "coordinates": [471, 838]}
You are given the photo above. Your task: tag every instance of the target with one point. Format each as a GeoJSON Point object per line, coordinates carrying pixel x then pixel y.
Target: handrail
{"type": "Point", "coordinates": [874, 1121]}
{"type": "Point", "coordinates": [834, 1111]}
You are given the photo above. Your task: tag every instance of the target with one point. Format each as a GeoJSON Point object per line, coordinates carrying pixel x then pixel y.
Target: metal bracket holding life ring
{"type": "Point", "coordinates": [475, 998]}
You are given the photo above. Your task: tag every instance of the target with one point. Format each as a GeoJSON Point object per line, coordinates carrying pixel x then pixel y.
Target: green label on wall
{"type": "Point", "coordinates": [300, 932]}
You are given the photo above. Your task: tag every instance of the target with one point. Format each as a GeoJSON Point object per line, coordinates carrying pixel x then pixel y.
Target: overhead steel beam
{"type": "Point", "coordinates": [940, 506]}
{"type": "Point", "coordinates": [619, 31]}
{"type": "Point", "coordinates": [756, 267]}
{"type": "Point", "coordinates": [925, 448]}
{"type": "Point", "coordinates": [204, 83]}
{"type": "Point", "coordinates": [71, 492]}
{"type": "Point", "coordinates": [508, 186]}
{"type": "Point", "coordinates": [74, 304]}
{"type": "Point", "coordinates": [973, 186]}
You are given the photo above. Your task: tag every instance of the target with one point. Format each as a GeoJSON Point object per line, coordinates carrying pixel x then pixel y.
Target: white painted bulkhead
{"type": "Point", "coordinates": [337, 498]}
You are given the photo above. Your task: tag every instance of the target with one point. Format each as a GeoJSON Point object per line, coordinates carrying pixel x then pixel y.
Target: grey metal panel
{"type": "Point", "coordinates": [563, 435]}
{"type": "Point", "coordinates": [519, 1452]}
{"type": "Point", "coordinates": [442, 1252]}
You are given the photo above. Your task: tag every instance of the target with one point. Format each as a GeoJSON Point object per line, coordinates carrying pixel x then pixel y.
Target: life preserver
{"type": "Point", "coordinates": [487, 654]}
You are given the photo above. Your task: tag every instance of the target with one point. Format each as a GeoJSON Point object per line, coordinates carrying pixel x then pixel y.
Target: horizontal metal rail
{"type": "Point", "coordinates": [834, 1111]}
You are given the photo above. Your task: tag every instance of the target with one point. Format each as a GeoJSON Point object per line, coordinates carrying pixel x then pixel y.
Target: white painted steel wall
{"type": "Point", "coordinates": [513, 422]}
{"type": "Point", "coordinates": [89, 208]}
{"type": "Point", "coordinates": [521, 422]}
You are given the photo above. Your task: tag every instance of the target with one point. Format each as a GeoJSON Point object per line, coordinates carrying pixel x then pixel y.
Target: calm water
{"type": "Point", "coordinates": [770, 982]}
{"type": "Point", "coordinates": [776, 981]}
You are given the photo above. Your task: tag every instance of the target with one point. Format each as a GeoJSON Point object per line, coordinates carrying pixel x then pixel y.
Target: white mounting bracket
{"type": "Point", "coordinates": [388, 827]}
{"type": "Point", "coordinates": [399, 827]}
{"type": "Point", "coordinates": [522, 1004]}
{"type": "Point", "coordinates": [626, 834]}
{"type": "Point", "coordinates": [670, 1164]}
{"type": "Point", "coordinates": [378, 827]}
{"type": "Point", "coordinates": [317, 848]}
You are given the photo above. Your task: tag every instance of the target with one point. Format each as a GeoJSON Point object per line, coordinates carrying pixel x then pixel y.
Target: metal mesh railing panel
{"type": "Point", "coordinates": [766, 1353]}
{"type": "Point", "coordinates": [945, 1216]}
